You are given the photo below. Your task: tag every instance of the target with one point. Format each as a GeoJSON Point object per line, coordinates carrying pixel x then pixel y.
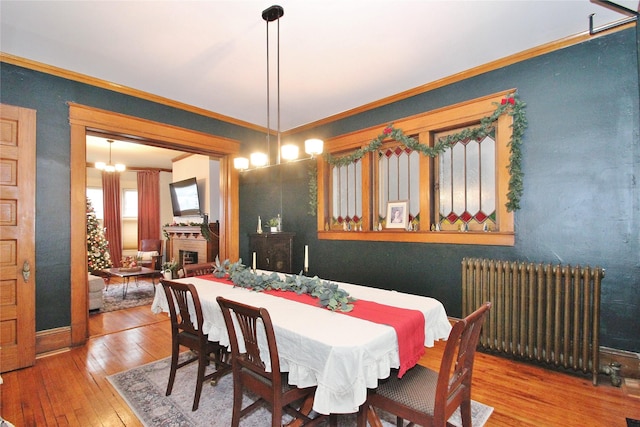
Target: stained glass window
{"type": "Point", "coordinates": [398, 179]}
{"type": "Point", "coordinates": [464, 188]}
{"type": "Point", "coordinates": [467, 185]}
{"type": "Point", "coordinates": [347, 194]}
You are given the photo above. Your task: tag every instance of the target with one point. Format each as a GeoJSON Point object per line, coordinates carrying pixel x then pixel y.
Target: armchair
{"type": "Point", "coordinates": [150, 253]}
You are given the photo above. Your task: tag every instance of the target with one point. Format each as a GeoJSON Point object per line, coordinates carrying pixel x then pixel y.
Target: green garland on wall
{"type": "Point", "coordinates": [313, 190]}
{"type": "Point", "coordinates": [510, 105]}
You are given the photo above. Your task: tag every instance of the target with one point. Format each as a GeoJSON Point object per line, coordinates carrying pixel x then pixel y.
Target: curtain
{"type": "Point", "coordinates": [112, 215]}
{"type": "Point", "coordinates": [148, 205]}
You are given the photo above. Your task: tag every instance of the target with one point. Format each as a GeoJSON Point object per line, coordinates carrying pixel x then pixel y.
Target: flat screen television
{"type": "Point", "coordinates": [185, 199]}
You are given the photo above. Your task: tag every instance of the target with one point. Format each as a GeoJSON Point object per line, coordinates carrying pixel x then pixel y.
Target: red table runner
{"type": "Point", "coordinates": [408, 324]}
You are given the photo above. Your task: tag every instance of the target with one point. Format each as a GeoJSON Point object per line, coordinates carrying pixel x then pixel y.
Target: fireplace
{"type": "Point", "coordinates": [189, 240]}
{"type": "Point", "coordinates": [187, 257]}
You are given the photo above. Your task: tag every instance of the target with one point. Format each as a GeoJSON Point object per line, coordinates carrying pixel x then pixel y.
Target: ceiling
{"type": "Point", "coordinates": [335, 55]}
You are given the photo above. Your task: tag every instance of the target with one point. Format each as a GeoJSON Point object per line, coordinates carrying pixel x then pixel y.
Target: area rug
{"type": "Point", "coordinates": [143, 389]}
{"type": "Point", "coordinates": [138, 294]}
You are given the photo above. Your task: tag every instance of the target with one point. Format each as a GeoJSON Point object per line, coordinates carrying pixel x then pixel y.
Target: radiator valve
{"type": "Point", "coordinates": [613, 369]}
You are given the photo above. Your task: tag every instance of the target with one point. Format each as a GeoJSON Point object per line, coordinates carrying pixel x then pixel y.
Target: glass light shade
{"type": "Point", "coordinates": [289, 152]}
{"type": "Point", "coordinates": [120, 167]}
{"type": "Point", "coordinates": [109, 168]}
{"type": "Point", "coordinates": [101, 165]}
{"type": "Point", "coordinates": [259, 159]}
{"type": "Point", "coordinates": [241, 163]}
{"type": "Point", "coordinates": [313, 146]}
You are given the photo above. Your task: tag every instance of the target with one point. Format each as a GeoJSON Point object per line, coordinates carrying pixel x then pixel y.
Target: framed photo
{"type": "Point", "coordinates": [397, 214]}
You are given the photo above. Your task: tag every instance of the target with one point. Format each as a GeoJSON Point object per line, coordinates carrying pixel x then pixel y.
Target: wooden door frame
{"type": "Point", "coordinates": [83, 119]}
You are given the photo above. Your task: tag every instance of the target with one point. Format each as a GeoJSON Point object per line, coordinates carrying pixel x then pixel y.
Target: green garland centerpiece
{"type": "Point", "coordinates": [510, 105]}
{"type": "Point", "coordinates": [329, 295]}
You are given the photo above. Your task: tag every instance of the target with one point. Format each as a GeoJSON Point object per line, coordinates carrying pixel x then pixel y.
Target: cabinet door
{"type": "Point", "coordinates": [279, 255]}
{"type": "Point", "coordinates": [273, 251]}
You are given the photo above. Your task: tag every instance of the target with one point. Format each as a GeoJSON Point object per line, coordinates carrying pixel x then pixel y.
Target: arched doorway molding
{"type": "Point", "coordinates": [85, 119]}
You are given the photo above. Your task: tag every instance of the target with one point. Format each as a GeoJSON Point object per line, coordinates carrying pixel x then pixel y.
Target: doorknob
{"type": "Point", "coordinates": [26, 271]}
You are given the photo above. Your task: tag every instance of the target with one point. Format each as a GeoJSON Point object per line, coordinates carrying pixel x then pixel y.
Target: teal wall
{"type": "Point", "coordinates": [581, 203]}
{"type": "Point", "coordinates": [581, 160]}
{"type": "Point", "coordinates": [49, 95]}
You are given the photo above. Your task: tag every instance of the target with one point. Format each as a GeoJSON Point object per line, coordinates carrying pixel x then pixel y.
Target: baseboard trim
{"type": "Point", "coordinates": [52, 340]}
{"type": "Point", "coordinates": [629, 361]}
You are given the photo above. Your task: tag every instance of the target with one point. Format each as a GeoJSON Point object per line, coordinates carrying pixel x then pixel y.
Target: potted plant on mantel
{"type": "Point", "coordinates": [273, 225]}
{"type": "Point", "coordinates": [168, 269]}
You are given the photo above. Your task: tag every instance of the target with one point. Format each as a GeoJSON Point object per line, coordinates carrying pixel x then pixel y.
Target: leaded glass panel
{"type": "Point", "coordinates": [398, 178]}
{"type": "Point", "coordinates": [467, 185]}
{"type": "Point", "coordinates": [347, 193]}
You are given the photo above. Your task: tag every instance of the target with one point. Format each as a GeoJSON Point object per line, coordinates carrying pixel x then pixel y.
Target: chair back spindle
{"type": "Point", "coordinates": [192, 270]}
{"type": "Point", "coordinates": [181, 294]}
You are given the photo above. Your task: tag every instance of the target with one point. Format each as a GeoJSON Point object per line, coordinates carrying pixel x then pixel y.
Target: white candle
{"type": "Point", "coordinates": [306, 257]}
{"type": "Point", "coordinates": [254, 261]}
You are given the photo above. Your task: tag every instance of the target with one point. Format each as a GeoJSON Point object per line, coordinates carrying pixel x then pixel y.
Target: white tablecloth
{"type": "Point", "coordinates": [341, 355]}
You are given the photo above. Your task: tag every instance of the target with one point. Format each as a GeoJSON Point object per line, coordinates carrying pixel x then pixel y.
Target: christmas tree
{"type": "Point", "coordinates": [97, 246]}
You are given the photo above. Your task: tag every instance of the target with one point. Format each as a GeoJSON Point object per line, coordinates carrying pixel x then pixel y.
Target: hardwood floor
{"type": "Point", "coordinates": [71, 389]}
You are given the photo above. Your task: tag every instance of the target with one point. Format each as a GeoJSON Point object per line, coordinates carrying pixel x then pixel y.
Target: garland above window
{"type": "Point", "coordinates": [510, 105]}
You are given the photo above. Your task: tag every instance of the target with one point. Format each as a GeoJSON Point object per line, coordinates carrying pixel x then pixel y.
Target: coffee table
{"type": "Point", "coordinates": [127, 275]}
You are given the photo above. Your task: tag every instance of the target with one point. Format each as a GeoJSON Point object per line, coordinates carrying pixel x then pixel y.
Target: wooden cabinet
{"type": "Point", "coordinates": [274, 251]}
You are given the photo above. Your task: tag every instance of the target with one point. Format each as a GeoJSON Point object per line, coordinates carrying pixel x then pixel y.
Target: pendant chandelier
{"type": "Point", "coordinates": [110, 167]}
{"type": "Point", "coordinates": [287, 152]}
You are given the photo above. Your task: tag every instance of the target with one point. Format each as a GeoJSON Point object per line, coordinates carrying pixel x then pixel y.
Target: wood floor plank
{"type": "Point", "coordinates": [528, 395]}
{"type": "Point", "coordinates": [38, 408]}
{"type": "Point", "coordinates": [72, 389]}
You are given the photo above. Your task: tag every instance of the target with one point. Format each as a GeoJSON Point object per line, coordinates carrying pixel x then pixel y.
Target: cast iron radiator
{"type": "Point", "coordinates": [541, 312]}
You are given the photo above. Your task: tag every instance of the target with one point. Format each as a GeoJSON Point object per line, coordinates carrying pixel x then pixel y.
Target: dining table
{"type": "Point", "coordinates": [342, 355]}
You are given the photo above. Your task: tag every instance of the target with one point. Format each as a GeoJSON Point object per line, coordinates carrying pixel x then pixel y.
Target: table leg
{"type": "Point", "coordinates": [107, 281]}
{"type": "Point", "coordinates": [125, 287]}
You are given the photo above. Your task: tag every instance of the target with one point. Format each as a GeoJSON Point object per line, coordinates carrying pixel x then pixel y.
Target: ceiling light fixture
{"type": "Point", "coordinates": [287, 152]}
{"type": "Point", "coordinates": [110, 167]}
{"type": "Point", "coordinates": [313, 147]}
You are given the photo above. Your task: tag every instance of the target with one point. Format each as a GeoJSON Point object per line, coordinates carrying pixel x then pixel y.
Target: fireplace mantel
{"type": "Point", "coordinates": [184, 231]}
{"type": "Point", "coordinates": [190, 238]}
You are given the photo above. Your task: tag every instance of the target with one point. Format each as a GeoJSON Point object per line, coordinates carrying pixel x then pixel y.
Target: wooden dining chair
{"type": "Point", "coordinates": [184, 332]}
{"type": "Point", "coordinates": [191, 270]}
{"type": "Point", "coordinates": [250, 372]}
{"type": "Point", "coordinates": [426, 397]}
